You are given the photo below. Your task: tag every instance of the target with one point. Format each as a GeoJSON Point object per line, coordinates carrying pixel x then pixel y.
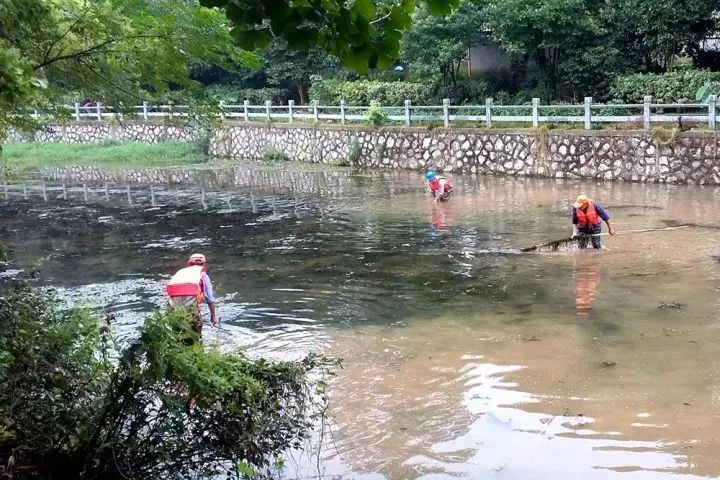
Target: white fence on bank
{"type": "Point", "coordinates": [487, 115]}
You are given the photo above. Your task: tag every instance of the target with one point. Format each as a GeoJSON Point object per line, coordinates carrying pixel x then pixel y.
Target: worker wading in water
{"type": "Point", "coordinates": [189, 288]}
{"type": "Point", "coordinates": [440, 187]}
{"type": "Point", "coordinates": [587, 218]}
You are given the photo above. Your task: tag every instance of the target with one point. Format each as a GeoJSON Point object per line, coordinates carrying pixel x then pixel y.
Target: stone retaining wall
{"type": "Point", "coordinates": [94, 132]}
{"type": "Point", "coordinates": [609, 155]}
{"type": "Point", "coordinates": [692, 157]}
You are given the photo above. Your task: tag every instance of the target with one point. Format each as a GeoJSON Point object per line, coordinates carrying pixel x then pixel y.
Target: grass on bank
{"type": "Point", "coordinates": [111, 154]}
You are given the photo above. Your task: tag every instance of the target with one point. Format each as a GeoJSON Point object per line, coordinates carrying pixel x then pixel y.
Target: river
{"type": "Point", "coordinates": [463, 358]}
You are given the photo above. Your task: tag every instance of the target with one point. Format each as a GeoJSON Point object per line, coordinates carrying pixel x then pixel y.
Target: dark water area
{"type": "Point", "coordinates": [463, 357]}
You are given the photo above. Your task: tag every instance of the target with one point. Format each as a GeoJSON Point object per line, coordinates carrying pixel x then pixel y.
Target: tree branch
{"type": "Point", "coordinates": [81, 53]}
{"type": "Point", "coordinates": [59, 39]}
{"type": "Point", "coordinates": [104, 79]}
{"type": "Point", "coordinates": [92, 50]}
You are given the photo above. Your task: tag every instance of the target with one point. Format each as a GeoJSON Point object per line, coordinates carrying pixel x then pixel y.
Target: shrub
{"type": "Point", "coordinates": [375, 115]}
{"type": "Point", "coordinates": [664, 137]}
{"type": "Point", "coordinates": [273, 156]}
{"type": "Point", "coordinates": [363, 92]}
{"type": "Point", "coordinates": [203, 140]}
{"type": "Point", "coordinates": [464, 92]}
{"type": "Point", "coordinates": [678, 86]}
{"type": "Point", "coordinates": [233, 94]}
{"type": "Point", "coordinates": [72, 405]}
{"type": "Point", "coordinates": [354, 152]}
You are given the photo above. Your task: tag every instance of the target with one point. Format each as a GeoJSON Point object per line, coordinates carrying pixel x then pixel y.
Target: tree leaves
{"type": "Point", "coordinates": [73, 406]}
{"type": "Point", "coordinates": [364, 8]}
{"type": "Point", "coordinates": [120, 51]}
{"type": "Point", "coordinates": [252, 39]}
{"type": "Point", "coordinates": [364, 34]}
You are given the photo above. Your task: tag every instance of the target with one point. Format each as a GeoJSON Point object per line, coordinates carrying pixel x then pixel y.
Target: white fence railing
{"type": "Point", "coordinates": [487, 115]}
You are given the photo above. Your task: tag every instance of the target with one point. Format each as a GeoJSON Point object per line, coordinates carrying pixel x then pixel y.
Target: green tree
{"type": "Point", "coordinates": [656, 31]}
{"type": "Point", "coordinates": [542, 29]}
{"type": "Point", "coordinates": [287, 66]}
{"type": "Point", "coordinates": [362, 33]}
{"type": "Point", "coordinates": [72, 405]}
{"type": "Point", "coordinates": [120, 50]}
{"type": "Point", "coordinates": [438, 44]}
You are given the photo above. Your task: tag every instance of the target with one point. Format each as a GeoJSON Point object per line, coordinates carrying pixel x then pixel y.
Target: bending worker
{"type": "Point", "coordinates": [190, 287]}
{"type": "Point", "coordinates": [586, 220]}
{"type": "Point", "coordinates": [440, 187]}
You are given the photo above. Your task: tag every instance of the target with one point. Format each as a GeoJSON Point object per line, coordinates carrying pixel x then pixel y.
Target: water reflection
{"type": "Point", "coordinates": [463, 357]}
{"type": "Point", "coordinates": [440, 220]}
{"type": "Point", "coordinates": [587, 281]}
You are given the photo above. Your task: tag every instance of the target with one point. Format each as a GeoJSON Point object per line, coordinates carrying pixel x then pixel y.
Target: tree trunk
{"type": "Point", "coordinates": [301, 91]}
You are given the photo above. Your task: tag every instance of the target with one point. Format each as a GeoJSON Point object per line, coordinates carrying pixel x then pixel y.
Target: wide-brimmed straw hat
{"type": "Point", "coordinates": [581, 201]}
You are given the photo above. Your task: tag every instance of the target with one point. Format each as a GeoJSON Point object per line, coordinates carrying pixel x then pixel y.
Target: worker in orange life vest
{"type": "Point", "coordinates": [440, 187]}
{"type": "Point", "coordinates": [190, 287]}
{"type": "Point", "coordinates": [587, 218]}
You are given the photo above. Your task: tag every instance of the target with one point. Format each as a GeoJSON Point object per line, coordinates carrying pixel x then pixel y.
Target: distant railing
{"type": "Point", "coordinates": [487, 115]}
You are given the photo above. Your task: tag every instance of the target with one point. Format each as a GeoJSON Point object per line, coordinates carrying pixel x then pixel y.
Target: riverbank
{"type": "Point", "coordinates": [109, 154]}
{"type": "Point", "coordinates": [660, 156]}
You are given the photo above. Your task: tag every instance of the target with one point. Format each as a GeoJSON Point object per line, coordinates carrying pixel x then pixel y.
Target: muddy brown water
{"type": "Point", "coordinates": [462, 357]}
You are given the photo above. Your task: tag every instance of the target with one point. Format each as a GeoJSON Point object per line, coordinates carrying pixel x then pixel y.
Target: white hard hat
{"type": "Point", "coordinates": [197, 259]}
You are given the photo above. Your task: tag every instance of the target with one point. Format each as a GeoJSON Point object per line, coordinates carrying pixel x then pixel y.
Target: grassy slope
{"type": "Point", "coordinates": [108, 154]}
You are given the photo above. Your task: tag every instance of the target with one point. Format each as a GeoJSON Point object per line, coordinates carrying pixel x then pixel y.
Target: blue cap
{"type": "Point", "coordinates": [430, 174]}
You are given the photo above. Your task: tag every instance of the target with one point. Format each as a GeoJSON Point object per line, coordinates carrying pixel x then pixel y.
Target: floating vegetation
{"type": "Point", "coordinates": [676, 305]}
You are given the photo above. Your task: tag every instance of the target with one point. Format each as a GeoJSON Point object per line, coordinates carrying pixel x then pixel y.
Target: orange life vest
{"type": "Point", "coordinates": [435, 184]}
{"type": "Point", "coordinates": [588, 217]}
{"type": "Point", "coordinates": [187, 282]}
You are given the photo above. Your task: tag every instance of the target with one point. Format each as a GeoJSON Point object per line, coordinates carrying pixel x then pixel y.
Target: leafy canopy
{"type": "Point", "coordinates": [363, 33]}
{"type": "Point", "coordinates": [438, 43]}
{"type": "Point", "coordinates": [118, 51]}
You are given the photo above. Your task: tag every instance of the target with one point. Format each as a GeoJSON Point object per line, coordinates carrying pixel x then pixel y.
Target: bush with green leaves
{"type": "Point", "coordinates": [375, 115]}
{"type": "Point", "coordinates": [354, 153]}
{"type": "Point", "coordinates": [235, 95]}
{"type": "Point", "coordinates": [464, 92]}
{"type": "Point", "coordinates": [677, 86]}
{"type": "Point", "coordinates": [362, 92]}
{"type": "Point", "coordinates": [273, 156]}
{"type": "Point", "coordinates": [75, 405]}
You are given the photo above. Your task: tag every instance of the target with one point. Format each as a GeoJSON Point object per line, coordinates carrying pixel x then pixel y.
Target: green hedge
{"type": "Point", "coordinates": [679, 86]}
{"type": "Point", "coordinates": [389, 94]}
{"type": "Point", "coordinates": [362, 92]}
{"type": "Point", "coordinates": [230, 93]}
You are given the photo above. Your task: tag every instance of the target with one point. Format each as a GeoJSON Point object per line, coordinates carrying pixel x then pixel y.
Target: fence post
{"type": "Point", "coordinates": [646, 112]}
{"type": "Point", "coordinates": [536, 112]}
{"type": "Point", "coordinates": [408, 118]}
{"type": "Point", "coordinates": [98, 105]}
{"type": "Point", "coordinates": [77, 112]}
{"type": "Point", "coordinates": [342, 111]}
{"type": "Point", "coordinates": [222, 110]}
{"type": "Point", "coordinates": [588, 113]}
{"type": "Point", "coordinates": [446, 112]}
{"type": "Point", "coordinates": [712, 112]}
{"type": "Point", "coordinates": [268, 115]}
{"type": "Point", "coordinates": [488, 112]}
{"type": "Point", "coordinates": [291, 104]}
{"type": "Point", "coordinates": [316, 115]}
{"type": "Point", "coordinates": [246, 112]}
{"type": "Point", "coordinates": [145, 110]}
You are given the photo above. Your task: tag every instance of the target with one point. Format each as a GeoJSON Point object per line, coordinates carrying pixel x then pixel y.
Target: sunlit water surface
{"type": "Point", "coordinates": [463, 358]}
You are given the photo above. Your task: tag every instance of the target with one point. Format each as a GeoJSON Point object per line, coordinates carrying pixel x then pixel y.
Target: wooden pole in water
{"type": "Point", "coordinates": [556, 243]}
